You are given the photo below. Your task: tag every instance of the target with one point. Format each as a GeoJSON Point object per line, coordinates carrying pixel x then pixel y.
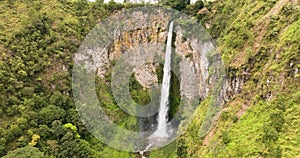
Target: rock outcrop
{"type": "Point", "coordinates": [193, 45]}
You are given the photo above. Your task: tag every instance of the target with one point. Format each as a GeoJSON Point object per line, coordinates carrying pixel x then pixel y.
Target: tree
{"type": "Point", "coordinates": [50, 113]}
{"type": "Point", "coordinates": [181, 148]}
{"type": "Point", "coordinates": [177, 4]}
{"type": "Point", "coordinates": [198, 5]}
{"type": "Point", "coordinates": [25, 152]}
{"type": "Point", "coordinates": [72, 147]}
{"type": "Point", "coordinates": [35, 139]}
{"type": "Point", "coordinates": [113, 6]}
{"type": "Point", "coordinates": [57, 129]}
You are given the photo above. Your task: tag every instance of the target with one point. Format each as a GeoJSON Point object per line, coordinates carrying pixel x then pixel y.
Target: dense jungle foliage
{"type": "Point", "coordinates": [259, 42]}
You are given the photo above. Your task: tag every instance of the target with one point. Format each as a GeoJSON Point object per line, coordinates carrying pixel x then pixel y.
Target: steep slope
{"type": "Point", "coordinates": [260, 45]}
{"type": "Point", "coordinates": [37, 42]}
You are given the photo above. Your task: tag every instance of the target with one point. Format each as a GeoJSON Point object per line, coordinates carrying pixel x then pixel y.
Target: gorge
{"type": "Point", "coordinates": [240, 86]}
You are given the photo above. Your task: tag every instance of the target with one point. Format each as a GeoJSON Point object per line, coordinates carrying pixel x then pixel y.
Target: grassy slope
{"type": "Point", "coordinates": [37, 41]}
{"type": "Point", "coordinates": [34, 59]}
{"type": "Point", "coordinates": [262, 45]}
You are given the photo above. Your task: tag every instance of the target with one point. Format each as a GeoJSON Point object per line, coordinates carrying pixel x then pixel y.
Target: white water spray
{"type": "Point", "coordinates": [164, 99]}
{"type": "Point", "coordinates": [162, 131]}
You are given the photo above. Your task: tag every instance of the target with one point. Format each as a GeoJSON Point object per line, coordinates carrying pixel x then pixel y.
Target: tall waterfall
{"type": "Point", "coordinates": [164, 99]}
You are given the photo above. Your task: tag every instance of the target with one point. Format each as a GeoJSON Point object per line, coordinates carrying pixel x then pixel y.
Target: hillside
{"type": "Point", "coordinates": [260, 46]}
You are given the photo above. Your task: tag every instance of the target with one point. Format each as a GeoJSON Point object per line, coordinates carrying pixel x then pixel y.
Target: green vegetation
{"type": "Point", "coordinates": [37, 42]}
{"type": "Point", "coordinates": [25, 152]}
{"type": "Point", "coordinates": [139, 95]}
{"type": "Point", "coordinates": [259, 44]}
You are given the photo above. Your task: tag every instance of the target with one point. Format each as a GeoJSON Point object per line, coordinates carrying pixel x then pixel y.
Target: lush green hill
{"type": "Point", "coordinates": [38, 40]}
{"type": "Point", "coordinates": [260, 46]}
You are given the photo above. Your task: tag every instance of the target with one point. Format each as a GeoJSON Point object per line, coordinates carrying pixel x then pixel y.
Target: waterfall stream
{"type": "Point", "coordinates": [161, 132]}
{"type": "Point", "coordinates": [164, 99]}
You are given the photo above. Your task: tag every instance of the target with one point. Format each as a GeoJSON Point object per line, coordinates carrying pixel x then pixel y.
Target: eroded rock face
{"type": "Point", "coordinates": [146, 75]}
{"type": "Point", "coordinates": [194, 66]}
{"type": "Point", "coordinates": [234, 86]}
{"type": "Point", "coordinates": [135, 38]}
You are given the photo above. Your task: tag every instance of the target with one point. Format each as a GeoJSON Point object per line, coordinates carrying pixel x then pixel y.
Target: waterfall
{"type": "Point", "coordinates": [161, 132]}
{"type": "Point", "coordinates": [164, 99]}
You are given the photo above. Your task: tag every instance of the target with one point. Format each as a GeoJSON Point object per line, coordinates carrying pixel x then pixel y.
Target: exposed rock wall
{"type": "Point", "coordinates": [193, 66]}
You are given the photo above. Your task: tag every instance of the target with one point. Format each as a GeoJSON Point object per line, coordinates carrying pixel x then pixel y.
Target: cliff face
{"type": "Point", "coordinates": [193, 52]}
{"type": "Point", "coordinates": [145, 74]}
